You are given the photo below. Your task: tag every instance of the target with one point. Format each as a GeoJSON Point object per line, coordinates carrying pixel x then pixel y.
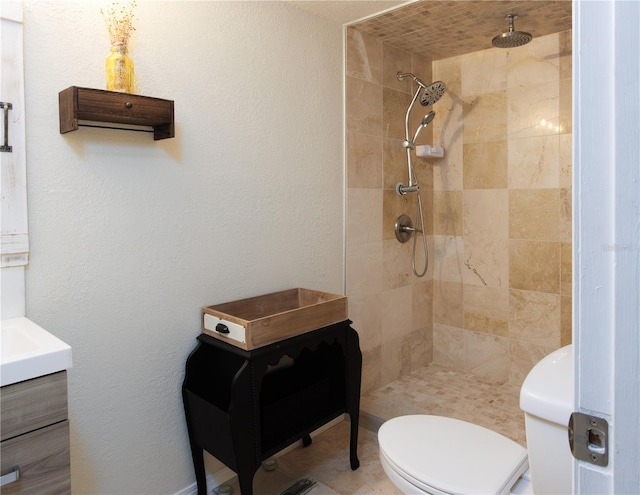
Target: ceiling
{"type": "Point", "coordinates": [345, 11]}
{"type": "Point", "coordinates": [442, 29]}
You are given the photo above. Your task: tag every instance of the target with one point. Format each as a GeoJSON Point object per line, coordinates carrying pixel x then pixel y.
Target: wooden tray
{"type": "Point", "coordinates": [258, 321]}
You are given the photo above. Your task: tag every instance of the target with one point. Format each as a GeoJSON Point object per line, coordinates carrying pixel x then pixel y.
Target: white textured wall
{"type": "Point", "coordinates": [130, 237]}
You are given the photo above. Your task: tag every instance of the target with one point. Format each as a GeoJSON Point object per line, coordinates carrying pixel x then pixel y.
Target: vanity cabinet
{"type": "Point", "coordinates": [244, 406]}
{"type": "Point", "coordinates": [34, 431]}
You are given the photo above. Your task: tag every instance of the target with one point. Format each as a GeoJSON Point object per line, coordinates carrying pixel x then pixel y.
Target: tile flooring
{"type": "Point", "coordinates": [430, 390]}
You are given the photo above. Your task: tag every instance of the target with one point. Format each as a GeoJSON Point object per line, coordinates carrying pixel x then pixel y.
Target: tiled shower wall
{"type": "Point", "coordinates": [502, 208]}
{"type": "Point", "coordinates": [390, 308]}
{"type": "Point", "coordinates": [497, 296]}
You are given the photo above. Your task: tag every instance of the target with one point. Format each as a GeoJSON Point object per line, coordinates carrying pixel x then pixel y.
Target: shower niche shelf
{"type": "Point", "coordinates": [85, 107]}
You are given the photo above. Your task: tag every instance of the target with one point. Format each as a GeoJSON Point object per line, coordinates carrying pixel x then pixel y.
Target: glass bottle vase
{"type": "Point", "coordinates": [119, 69]}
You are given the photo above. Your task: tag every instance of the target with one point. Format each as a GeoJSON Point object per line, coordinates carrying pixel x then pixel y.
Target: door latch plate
{"type": "Point", "coordinates": [589, 438]}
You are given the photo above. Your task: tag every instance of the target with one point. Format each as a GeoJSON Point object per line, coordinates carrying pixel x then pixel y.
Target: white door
{"type": "Point", "coordinates": [607, 235]}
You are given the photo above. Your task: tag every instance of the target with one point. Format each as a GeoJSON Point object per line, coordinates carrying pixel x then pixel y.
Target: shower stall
{"type": "Point", "coordinates": [492, 209]}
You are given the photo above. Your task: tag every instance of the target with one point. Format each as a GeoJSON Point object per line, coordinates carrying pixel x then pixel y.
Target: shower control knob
{"type": "Point", "coordinates": [408, 144]}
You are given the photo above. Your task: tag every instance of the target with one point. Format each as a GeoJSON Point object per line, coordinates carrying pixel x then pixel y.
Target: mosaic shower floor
{"type": "Point", "coordinates": [430, 390]}
{"type": "Point", "coordinates": [437, 390]}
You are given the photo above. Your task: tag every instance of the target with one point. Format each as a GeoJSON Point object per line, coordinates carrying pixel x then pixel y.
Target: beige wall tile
{"type": "Point", "coordinates": [371, 370]}
{"type": "Point", "coordinates": [447, 258]}
{"type": "Point", "coordinates": [363, 107]}
{"type": "Point", "coordinates": [391, 359]}
{"type": "Point", "coordinates": [394, 163]}
{"type": "Point", "coordinates": [447, 304]}
{"type": "Point", "coordinates": [565, 105]}
{"type": "Point", "coordinates": [423, 67]}
{"type": "Point", "coordinates": [486, 231]}
{"type": "Point", "coordinates": [533, 110]}
{"type": "Point", "coordinates": [393, 206]}
{"type": "Point", "coordinates": [486, 356]}
{"type": "Point", "coordinates": [534, 266]}
{"type": "Point", "coordinates": [424, 167]}
{"type": "Point", "coordinates": [485, 117]}
{"type": "Point", "coordinates": [405, 360]}
{"type": "Point", "coordinates": [486, 309]}
{"type": "Point", "coordinates": [534, 317]}
{"type": "Point", "coordinates": [566, 269]}
{"type": "Point", "coordinates": [534, 214]}
{"type": "Point", "coordinates": [448, 346]}
{"type": "Point", "coordinates": [565, 215]}
{"type": "Point", "coordinates": [395, 60]}
{"type": "Point", "coordinates": [396, 314]}
{"type": "Point", "coordinates": [422, 303]}
{"type": "Point", "coordinates": [364, 160]}
{"type": "Point", "coordinates": [449, 70]}
{"type": "Point", "coordinates": [566, 160]}
{"type": "Point", "coordinates": [534, 162]}
{"type": "Point", "coordinates": [447, 171]}
{"type": "Point", "coordinates": [534, 63]}
{"type": "Point", "coordinates": [566, 53]}
{"type": "Point", "coordinates": [364, 57]}
{"type": "Point", "coordinates": [394, 107]}
{"type": "Point", "coordinates": [364, 215]}
{"type": "Point", "coordinates": [420, 344]}
{"type": "Point", "coordinates": [486, 213]}
{"type": "Point", "coordinates": [485, 165]}
{"type": "Point", "coordinates": [522, 357]}
{"type": "Point", "coordinates": [448, 127]}
{"type": "Point", "coordinates": [365, 311]}
{"type": "Point", "coordinates": [483, 72]}
{"type": "Point", "coordinates": [364, 268]}
{"type": "Point", "coordinates": [396, 263]}
{"type": "Point", "coordinates": [447, 212]}
{"type": "Point", "coordinates": [486, 261]}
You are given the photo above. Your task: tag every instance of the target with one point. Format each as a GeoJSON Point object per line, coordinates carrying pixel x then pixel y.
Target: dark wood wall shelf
{"type": "Point", "coordinates": [99, 108]}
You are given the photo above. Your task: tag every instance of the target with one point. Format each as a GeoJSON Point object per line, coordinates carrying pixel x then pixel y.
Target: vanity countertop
{"type": "Point", "coordinates": [29, 351]}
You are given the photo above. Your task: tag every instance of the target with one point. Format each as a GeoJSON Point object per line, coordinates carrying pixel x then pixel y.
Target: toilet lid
{"type": "Point", "coordinates": [451, 455]}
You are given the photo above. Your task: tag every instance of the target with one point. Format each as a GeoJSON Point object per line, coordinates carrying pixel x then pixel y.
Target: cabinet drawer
{"type": "Point", "coordinates": [32, 404]}
{"type": "Point", "coordinates": [43, 459]}
{"type": "Point", "coordinates": [122, 108]}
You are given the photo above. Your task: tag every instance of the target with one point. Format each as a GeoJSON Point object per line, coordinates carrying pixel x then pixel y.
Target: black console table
{"type": "Point", "coordinates": [244, 406]}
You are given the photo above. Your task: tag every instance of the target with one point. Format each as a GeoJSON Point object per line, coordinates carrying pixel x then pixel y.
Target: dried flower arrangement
{"type": "Point", "coordinates": [119, 21]}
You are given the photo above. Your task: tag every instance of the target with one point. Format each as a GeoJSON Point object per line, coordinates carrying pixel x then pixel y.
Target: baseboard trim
{"type": "Point", "coordinates": [213, 480]}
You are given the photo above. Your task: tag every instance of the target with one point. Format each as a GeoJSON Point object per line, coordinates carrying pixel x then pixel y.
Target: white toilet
{"type": "Point", "coordinates": [444, 456]}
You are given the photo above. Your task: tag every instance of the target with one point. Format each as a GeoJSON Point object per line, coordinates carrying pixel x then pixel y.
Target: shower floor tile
{"type": "Point", "coordinates": [437, 390]}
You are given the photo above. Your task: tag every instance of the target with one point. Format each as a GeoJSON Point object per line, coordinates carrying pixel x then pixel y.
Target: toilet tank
{"type": "Point", "coordinates": [547, 397]}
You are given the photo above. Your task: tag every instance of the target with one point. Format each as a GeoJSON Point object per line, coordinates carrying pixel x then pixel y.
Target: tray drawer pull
{"type": "Point", "coordinates": [222, 328]}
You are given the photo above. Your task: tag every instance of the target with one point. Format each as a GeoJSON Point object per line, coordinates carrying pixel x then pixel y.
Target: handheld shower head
{"type": "Point", "coordinates": [432, 93]}
{"type": "Point", "coordinates": [428, 118]}
{"type": "Point", "coordinates": [425, 122]}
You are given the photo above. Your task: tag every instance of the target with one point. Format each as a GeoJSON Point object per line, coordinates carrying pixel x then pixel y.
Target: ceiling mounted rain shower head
{"type": "Point", "coordinates": [512, 38]}
{"type": "Point", "coordinates": [432, 93]}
